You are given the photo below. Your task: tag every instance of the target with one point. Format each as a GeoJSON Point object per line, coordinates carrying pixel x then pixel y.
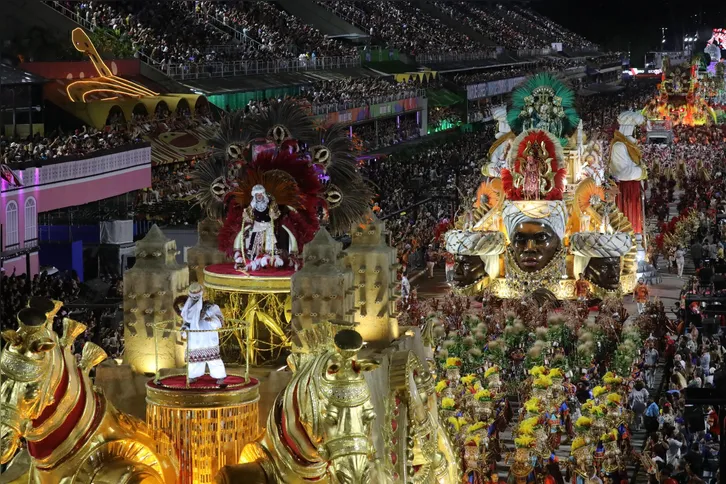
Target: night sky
{"type": "Point", "coordinates": [619, 24]}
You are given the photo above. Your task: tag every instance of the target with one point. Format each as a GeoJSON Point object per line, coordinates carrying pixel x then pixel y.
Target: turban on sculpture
{"type": "Point", "coordinates": [474, 243]}
{"type": "Point", "coordinates": [549, 212]}
{"type": "Point", "coordinates": [586, 245]}
{"type": "Point", "coordinates": [195, 288]}
{"type": "Point", "coordinates": [595, 244]}
{"type": "Point", "coordinates": [630, 118]}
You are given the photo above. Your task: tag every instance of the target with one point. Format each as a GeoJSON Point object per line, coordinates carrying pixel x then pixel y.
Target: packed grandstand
{"type": "Point", "coordinates": [418, 87]}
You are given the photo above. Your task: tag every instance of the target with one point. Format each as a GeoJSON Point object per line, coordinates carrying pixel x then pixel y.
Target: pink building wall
{"type": "Point", "coordinates": [68, 184]}
{"type": "Point", "coordinates": [18, 265]}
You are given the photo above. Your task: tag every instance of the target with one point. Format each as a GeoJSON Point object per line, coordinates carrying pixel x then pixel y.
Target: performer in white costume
{"type": "Point", "coordinates": [203, 346]}
{"type": "Point", "coordinates": [499, 150]}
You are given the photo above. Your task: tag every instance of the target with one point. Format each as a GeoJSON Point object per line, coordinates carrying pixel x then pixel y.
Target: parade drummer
{"type": "Point", "coordinates": [203, 318]}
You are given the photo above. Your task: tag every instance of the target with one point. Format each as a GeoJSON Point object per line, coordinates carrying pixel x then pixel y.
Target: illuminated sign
{"type": "Point", "coordinates": [109, 86]}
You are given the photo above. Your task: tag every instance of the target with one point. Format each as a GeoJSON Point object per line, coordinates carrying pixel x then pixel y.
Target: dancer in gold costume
{"type": "Point", "coordinates": [73, 434]}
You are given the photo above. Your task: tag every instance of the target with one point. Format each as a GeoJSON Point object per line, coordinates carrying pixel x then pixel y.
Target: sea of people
{"type": "Point", "coordinates": [402, 25]}
{"type": "Point", "coordinates": [277, 33]}
{"type": "Point", "coordinates": [102, 325]}
{"type": "Point", "coordinates": [516, 70]}
{"type": "Point", "coordinates": [82, 142]}
{"type": "Point", "coordinates": [180, 32]}
{"type": "Point", "coordinates": [448, 170]}
{"type": "Point", "coordinates": [340, 94]}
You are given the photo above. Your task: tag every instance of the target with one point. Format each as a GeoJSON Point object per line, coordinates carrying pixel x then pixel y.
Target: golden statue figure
{"type": "Point", "coordinates": [320, 426]}
{"type": "Point", "coordinates": [74, 434]}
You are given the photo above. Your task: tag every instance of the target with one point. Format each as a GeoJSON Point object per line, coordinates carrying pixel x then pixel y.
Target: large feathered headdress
{"type": "Point", "coordinates": [544, 102]}
{"type": "Point", "coordinates": [266, 149]}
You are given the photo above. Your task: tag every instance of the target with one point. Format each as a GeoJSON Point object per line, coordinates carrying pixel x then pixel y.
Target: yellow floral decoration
{"type": "Point", "coordinates": [441, 386]}
{"type": "Point", "coordinates": [468, 379]}
{"type": "Point", "coordinates": [583, 422]}
{"type": "Point", "coordinates": [491, 371]}
{"type": "Point", "coordinates": [448, 403]}
{"type": "Point", "coordinates": [524, 441]}
{"type": "Point", "coordinates": [453, 363]}
{"type": "Point", "coordinates": [599, 390]}
{"type": "Point", "coordinates": [537, 370]}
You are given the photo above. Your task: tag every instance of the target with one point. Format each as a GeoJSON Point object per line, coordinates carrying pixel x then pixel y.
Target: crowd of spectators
{"type": "Point", "coordinates": [567, 37]}
{"type": "Point", "coordinates": [181, 32]}
{"type": "Point", "coordinates": [82, 142]}
{"type": "Point", "coordinates": [167, 32]}
{"type": "Point", "coordinates": [101, 325]}
{"type": "Point", "coordinates": [542, 64]}
{"type": "Point", "coordinates": [512, 28]}
{"type": "Point", "coordinates": [403, 26]}
{"type": "Point", "coordinates": [275, 31]}
{"type": "Point", "coordinates": [340, 94]}
{"type": "Point", "coordinates": [682, 442]}
{"type": "Point", "coordinates": [479, 110]}
{"type": "Point", "coordinates": [448, 170]}
{"type": "Point", "coordinates": [390, 132]}
{"type": "Point", "coordinates": [488, 23]}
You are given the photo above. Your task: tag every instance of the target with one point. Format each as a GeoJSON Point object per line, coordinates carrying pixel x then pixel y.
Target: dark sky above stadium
{"type": "Point", "coordinates": [617, 24]}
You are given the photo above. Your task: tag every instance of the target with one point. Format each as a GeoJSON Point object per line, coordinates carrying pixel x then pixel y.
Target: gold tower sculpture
{"type": "Point", "coordinates": [205, 252]}
{"type": "Point", "coordinates": [150, 288]}
{"type": "Point", "coordinates": [323, 289]}
{"type": "Point", "coordinates": [374, 266]}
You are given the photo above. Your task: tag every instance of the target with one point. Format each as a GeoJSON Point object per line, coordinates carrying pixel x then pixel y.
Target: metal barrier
{"type": "Point", "coordinates": [243, 68]}
{"type": "Point", "coordinates": [456, 56]}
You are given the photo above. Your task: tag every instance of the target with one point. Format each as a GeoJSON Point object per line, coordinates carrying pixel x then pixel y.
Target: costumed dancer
{"type": "Point", "coordinates": [202, 319]}
{"type": "Point", "coordinates": [257, 238]}
{"type": "Point", "coordinates": [628, 169]}
{"type": "Point", "coordinates": [499, 150]}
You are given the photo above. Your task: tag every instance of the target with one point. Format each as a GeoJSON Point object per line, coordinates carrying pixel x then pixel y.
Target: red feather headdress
{"type": "Point", "coordinates": [546, 149]}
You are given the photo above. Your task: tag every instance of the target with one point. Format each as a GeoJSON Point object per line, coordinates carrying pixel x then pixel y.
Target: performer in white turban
{"type": "Point", "coordinates": [627, 168]}
{"type": "Point", "coordinates": [257, 240]}
{"type": "Point", "coordinates": [202, 318]}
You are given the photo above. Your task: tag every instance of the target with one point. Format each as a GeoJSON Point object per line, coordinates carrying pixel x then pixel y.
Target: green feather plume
{"type": "Point", "coordinates": [517, 114]}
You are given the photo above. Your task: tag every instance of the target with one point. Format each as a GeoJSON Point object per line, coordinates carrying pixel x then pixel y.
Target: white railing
{"type": "Point", "coordinates": [242, 68]}
{"type": "Point", "coordinates": [456, 56]}
{"type": "Point", "coordinates": [75, 16]}
{"type": "Point", "coordinates": [87, 167]}
{"type": "Point", "coordinates": [328, 108]}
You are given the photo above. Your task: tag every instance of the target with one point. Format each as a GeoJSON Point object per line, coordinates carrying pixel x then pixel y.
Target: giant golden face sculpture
{"type": "Point", "coordinates": [534, 245]}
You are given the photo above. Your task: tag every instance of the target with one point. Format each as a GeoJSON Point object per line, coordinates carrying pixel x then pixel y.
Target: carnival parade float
{"type": "Point", "coordinates": [368, 399]}
{"type": "Point", "coordinates": [530, 232]}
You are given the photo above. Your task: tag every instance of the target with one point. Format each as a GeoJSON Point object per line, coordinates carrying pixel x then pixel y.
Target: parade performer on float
{"type": "Point", "coordinates": [257, 239]}
{"type": "Point", "coordinates": [499, 150]}
{"type": "Point", "coordinates": [628, 169]}
{"type": "Point", "coordinates": [202, 319]}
